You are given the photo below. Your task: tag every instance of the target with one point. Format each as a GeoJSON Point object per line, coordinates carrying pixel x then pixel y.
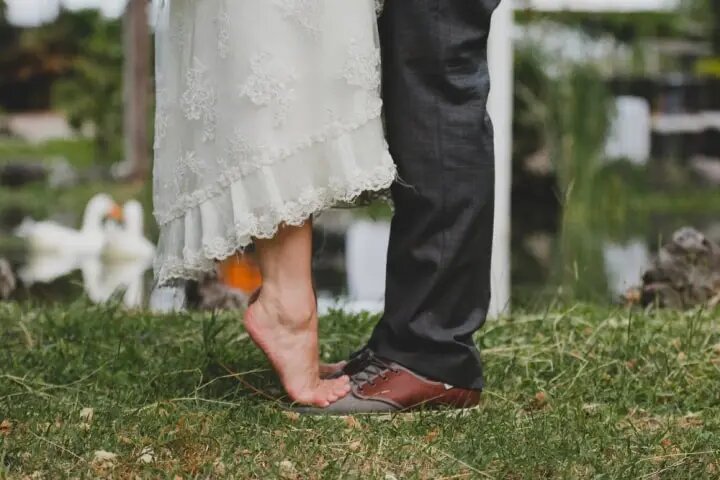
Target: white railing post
{"type": "Point", "coordinates": [500, 106]}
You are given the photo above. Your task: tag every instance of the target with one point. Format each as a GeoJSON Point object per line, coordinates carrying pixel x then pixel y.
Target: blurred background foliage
{"type": "Point", "coordinates": [92, 93]}
{"type": "Point", "coordinates": [696, 19]}
{"type": "Point", "coordinates": [72, 62]}
{"type": "Point", "coordinates": [562, 181]}
{"type": "Point", "coordinates": [72, 65]}
{"type": "Point", "coordinates": [563, 186]}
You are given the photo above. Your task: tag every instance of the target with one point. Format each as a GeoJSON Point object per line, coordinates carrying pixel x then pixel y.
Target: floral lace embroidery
{"type": "Point", "coordinates": [263, 156]}
{"type": "Point", "coordinates": [191, 163]}
{"type": "Point", "coordinates": [362, 68]}
{"type": "Point", "coordinates": [241, 152]}
{"type": "Point", "coordinates": [179, 30]}
{"type": "Point", "coordinates": [162, 117]}
{"type": "Point", "coordinates": [195, 264]}
{"type": "Point", "coordinates": [162, 120]}
{"type": "Point", "coordinates": [305, 12]}
{"type": "Point", "coordinates": [222, 23]}
{"type": "Point", "coordinates": [188, 163]}
{"type": "Point", "coordinates": [270, 85]}
{"type": "Point", "coordinates": [199, 99]}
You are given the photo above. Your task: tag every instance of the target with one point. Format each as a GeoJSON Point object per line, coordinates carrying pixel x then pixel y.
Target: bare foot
{"type": "Point", "coordinates": [288, 336]}
{"type": "Point", "coordinates": [326, 370]}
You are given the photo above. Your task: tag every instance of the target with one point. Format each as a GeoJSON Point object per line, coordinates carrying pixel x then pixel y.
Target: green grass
{"type": "Point", "coordinates": [578, 392]}
{"type": "Point", "coordinates": [39, 201]}
{"type": "Point", "coordinates": [79, 152]}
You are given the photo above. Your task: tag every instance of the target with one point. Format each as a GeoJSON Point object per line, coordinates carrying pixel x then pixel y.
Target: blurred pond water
{"type": "Point", "coordinates": [592, 264]}
{"type": "Point", "coordinates": [349, 263]}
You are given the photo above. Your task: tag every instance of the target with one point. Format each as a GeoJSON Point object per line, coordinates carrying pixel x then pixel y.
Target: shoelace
{"type": "Point", "coordinates": [372, 368]}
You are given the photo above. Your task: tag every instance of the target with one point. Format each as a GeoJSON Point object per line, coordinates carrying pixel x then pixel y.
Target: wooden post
{"type": "Point", "coordinates": [137, 84]}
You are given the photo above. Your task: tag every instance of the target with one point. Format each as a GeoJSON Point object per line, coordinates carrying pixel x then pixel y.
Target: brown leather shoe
{"type": "Point", "coordinates": [380, 386]}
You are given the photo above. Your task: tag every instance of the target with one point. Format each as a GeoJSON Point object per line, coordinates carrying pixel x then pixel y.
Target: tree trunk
{"type": "Point", "coordinates": [137, 85]}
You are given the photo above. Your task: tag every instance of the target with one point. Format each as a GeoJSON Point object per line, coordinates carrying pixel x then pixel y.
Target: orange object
{"type": "Point", "coordinates": [116, 213]}
{"type": "Point", "coordinates": [241, 273]}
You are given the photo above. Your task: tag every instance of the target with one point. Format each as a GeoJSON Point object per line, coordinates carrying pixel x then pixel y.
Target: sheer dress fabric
{"type": "Point", "coordinates": [268, 111]}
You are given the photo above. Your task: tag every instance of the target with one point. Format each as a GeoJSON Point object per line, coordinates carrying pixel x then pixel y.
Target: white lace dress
{"type": "Point", "coordinates": [268, 111]}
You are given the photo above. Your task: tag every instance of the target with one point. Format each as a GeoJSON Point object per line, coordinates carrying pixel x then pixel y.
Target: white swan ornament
{"type": "Point", "coordinates": [41, 267]}
{"type": "Point", "coordinates": [102, 281]}
{"type": "Point", "coordinates": [52, 237]}
{"type": "Point", "coordinates": [128, 243]}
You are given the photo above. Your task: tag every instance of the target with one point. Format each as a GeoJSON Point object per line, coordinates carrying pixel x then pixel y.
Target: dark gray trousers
{"type": "Point", "coordinates": [436, 85]}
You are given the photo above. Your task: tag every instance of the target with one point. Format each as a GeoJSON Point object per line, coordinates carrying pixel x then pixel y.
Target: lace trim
{"type": "Point", "coordinates": [196, 264]}
{"type": "Point", "coordinates": [379, 6]}
{"type": "Point", "coordinates": [304, 12]}
{"type": "Point", "coordinates": [258, 160]}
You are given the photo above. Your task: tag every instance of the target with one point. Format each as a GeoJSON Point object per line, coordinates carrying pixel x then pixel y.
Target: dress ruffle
{"type": "Point", "coordinates": [287, 192]}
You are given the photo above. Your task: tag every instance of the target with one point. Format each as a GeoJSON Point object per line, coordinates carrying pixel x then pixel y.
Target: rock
{"type": "Point", "coordinates": [229, 287]}
{"type": "Point", "coordinates": [147, 456]}
{"type": "Point", "coordinates": [101, 456]}
{"type": "Point", "coordinates": [211, 294]}
{"type": "Point", "coordinates": [685, 273]}
{"type": "Point", "coordinates": [87, 414]}
{"type": "Point", "coordinates": [287, 469]}
{"type": "Point", "coordinates": [8, 283]}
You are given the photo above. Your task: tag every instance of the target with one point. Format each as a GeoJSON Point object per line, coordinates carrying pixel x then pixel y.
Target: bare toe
{"type": "Point", "coordinates": [341, 386]}
{"type": "Point", "coordinates": [335, 390]}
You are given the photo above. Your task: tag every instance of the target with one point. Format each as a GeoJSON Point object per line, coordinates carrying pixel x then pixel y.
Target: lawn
{"type": "Point", "coordinates": [577, 392]}
{"type": "Point", "coordinates": [79, 152]}
{"type": "Point", "coordinates": [39, 201]}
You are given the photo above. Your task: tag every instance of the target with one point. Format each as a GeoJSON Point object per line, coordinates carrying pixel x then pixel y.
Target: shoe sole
{"type": "Point", "coordinates": [384, 415]}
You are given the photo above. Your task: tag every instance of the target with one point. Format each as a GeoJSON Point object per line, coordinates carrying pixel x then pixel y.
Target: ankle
{"type": "Point", "coordinates": [291, 305]}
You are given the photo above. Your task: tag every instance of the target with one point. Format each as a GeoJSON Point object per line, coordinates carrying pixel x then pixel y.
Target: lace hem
{"type": "Point", "coordinates": [260, 160]}
{"type": "Point", "coordinates": [379, 6]}
{"type": "Point", "coordinates": [195, 264]}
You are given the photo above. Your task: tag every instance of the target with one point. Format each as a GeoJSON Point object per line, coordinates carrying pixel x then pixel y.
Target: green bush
{"type": "Point", "coordinates": [93, 94]}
